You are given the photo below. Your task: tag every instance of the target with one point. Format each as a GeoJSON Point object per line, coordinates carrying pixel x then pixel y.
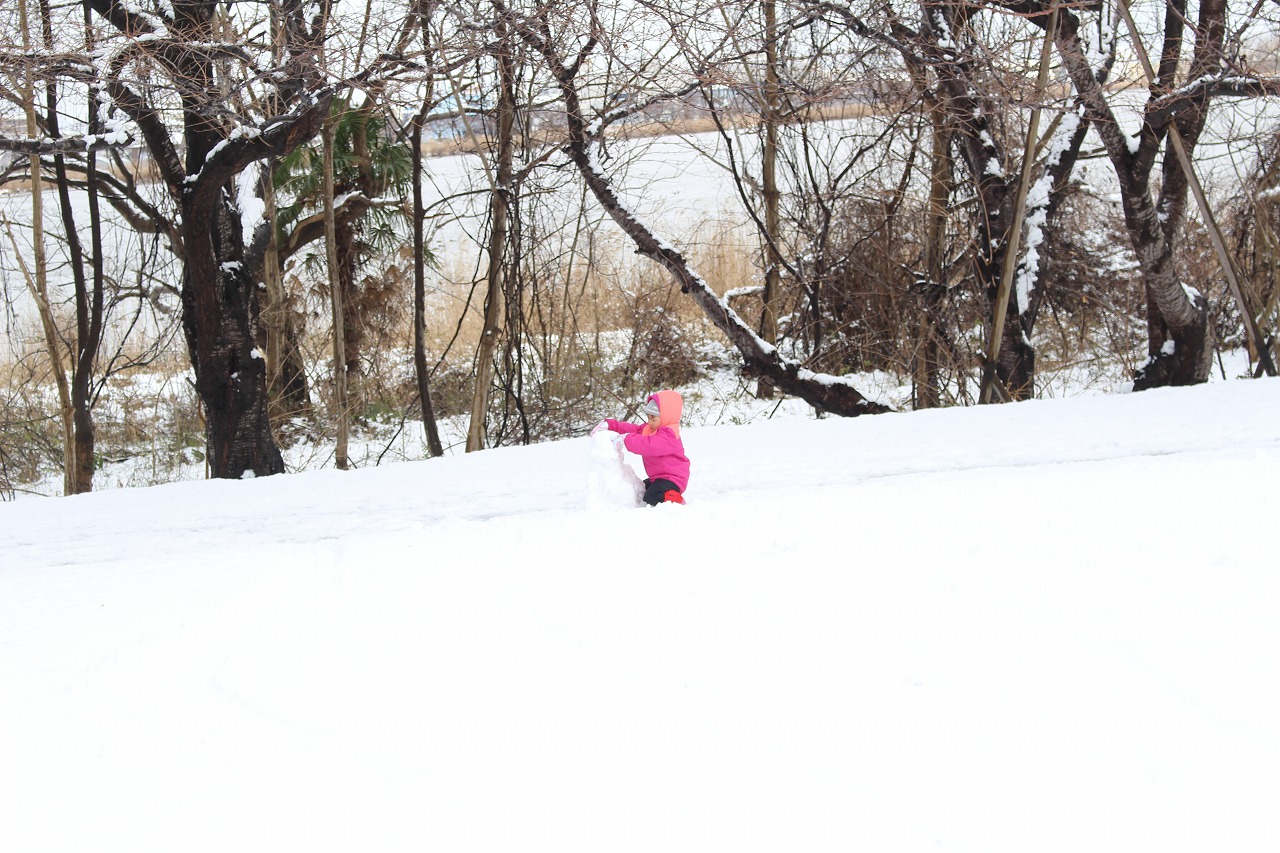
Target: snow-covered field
{"type": "Point", "coordinates": [1042, 627]}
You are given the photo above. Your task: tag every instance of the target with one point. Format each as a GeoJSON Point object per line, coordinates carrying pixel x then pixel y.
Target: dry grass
{"type": "Point", "coordinates": [684, 126]}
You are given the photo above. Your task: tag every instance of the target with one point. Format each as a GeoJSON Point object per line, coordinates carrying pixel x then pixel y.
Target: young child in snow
{"type": "Point", "coordinates": [658, 445]}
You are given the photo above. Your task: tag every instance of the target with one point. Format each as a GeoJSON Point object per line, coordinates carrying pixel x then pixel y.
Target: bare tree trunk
{"type": "Point", "coordinates": [335, 299]}
{"type": "Point", "coordinates": [969, 112]}
{"type": "Point", "coordinates": [434, 447]}
{"type": "Point", "coordinates": [772, 197]}
{"type": "Point", "coordinates": [1180, 343]}
{"type": "Point", "coordinates": [927, 383]}
{"type": "Point", "coordinates": [1025, 364]}
{"type": "Point", "coordinates": [286, 372]}
{"type": "Point", "coordinates": [89, 307]}
{"type": "Point", "coordinates": [88, 301]}
{"type": "Point", "coordinates": [274, 309]}
{"type": "Point", "coordinates": [38, 279]}
{"type": "Point", "coordinates": [499, 209]}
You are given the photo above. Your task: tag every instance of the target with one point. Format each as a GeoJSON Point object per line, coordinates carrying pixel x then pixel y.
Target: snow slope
{"type": "Point", "coordinates": [1041, 627]}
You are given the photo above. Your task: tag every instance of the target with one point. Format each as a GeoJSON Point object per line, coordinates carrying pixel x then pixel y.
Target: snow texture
{"type": "Point", "coordinates": [611, 481]}
{"type": "Point", "coordinates": [1048, 626]}
{"type": "Point", "coordinates": [1037, 207]}
{"type": "Point", "coordinates": [252, 207]}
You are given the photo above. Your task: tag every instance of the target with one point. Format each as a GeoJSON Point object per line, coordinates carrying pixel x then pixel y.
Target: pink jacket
{"type": "Point", "coordinates": [662, 451]}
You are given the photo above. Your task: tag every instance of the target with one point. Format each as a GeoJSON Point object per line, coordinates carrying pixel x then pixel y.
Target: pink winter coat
{"type": "Point", "coordinates": [662, 451]}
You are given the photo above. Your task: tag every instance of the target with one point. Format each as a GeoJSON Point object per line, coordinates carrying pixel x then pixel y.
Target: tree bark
{"type": "Point", "coordinates": [429, 425]}
{"type": "Point", "coordinates": [499, 211]}
{"type": "Point", "coordinates": [220, 310]}
{"type": "Point", "coordinates": [336, 299]}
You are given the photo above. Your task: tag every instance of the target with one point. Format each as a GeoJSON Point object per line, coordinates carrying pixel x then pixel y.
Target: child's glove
{"type": "Point", "coordinates": [600, 427]}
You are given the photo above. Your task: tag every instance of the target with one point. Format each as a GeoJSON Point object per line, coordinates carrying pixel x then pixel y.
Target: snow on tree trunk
{"type": "Point", "coordinates": [1183, 356]}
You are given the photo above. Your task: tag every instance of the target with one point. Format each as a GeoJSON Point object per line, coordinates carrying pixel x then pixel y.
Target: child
{"type": "Point", "coordinates": [658, 444]}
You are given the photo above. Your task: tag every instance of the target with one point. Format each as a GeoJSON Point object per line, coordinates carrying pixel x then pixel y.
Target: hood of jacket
{"type": "Point", "coordinates": [670, 408]}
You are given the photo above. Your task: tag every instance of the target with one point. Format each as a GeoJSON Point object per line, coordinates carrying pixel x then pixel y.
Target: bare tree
{"type": "Point", "coordinates": [423, 11]}
{"type": "Point", "coordinates": [89, 294]}
{"type": "Point", "coordinates": [1181, 90]}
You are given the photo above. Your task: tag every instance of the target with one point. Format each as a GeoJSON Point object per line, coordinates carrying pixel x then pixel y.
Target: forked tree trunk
{"type": "Point", "coordinates": [1180, 344]}
{"type": "Point", "coordinates": [88, 298]}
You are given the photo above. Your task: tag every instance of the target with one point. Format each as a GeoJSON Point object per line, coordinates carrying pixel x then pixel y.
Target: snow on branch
{"type": "Point", "coordinates": [1038, 204]}
{"type": "Point", "coordinates": [246, 144]}
{"type": "Point", "coordinates": [66, 145]}
{"type": "Point", "coordinates": [824, 392]}
{"type": "Point", "coordinates": [1162, 110]}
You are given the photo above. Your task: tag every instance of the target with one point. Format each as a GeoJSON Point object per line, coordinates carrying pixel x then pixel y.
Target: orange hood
{"type": "Point", "coordinates": [670, 408]}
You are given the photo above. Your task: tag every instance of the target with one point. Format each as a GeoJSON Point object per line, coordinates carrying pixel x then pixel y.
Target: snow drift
{"type": "Point", "coordinates": [1047, 626]}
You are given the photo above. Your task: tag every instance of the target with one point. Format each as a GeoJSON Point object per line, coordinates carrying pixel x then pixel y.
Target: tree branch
{"type": "Point", "coordinates": [822, 391]}
{"type": "Point", "coordinates": [276, 137]}
{"type": "Point", "coordinates": [65, 145]}
{"type": "Point", "coordinates": [348, 209]}
{"type": "Point", "coordinates": [1167, 107]}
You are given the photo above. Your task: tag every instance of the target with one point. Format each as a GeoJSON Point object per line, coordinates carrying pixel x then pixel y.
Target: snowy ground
{"type": "Point", "coordinates": [1041, 627]}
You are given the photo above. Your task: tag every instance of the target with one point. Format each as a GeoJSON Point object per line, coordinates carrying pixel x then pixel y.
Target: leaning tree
{"type": "Point", "coordinates": [569, 39]}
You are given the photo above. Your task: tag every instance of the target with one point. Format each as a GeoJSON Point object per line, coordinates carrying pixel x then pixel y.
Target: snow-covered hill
{"type": "Point", "coordinates": [1041, 627]}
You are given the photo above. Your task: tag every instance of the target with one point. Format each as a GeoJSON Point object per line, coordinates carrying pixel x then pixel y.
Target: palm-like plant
{"type": "Point", "coordinates": [371, 174]}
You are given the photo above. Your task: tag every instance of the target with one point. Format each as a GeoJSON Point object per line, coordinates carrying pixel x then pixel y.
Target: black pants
{"type": "Point", "coordinates": [655, 489]}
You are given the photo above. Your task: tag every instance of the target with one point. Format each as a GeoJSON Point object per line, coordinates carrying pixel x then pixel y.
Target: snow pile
{"type": "Point", "coordinates": [610, 480]}
{"type": "Point", "coordinates": [1047, 626]}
